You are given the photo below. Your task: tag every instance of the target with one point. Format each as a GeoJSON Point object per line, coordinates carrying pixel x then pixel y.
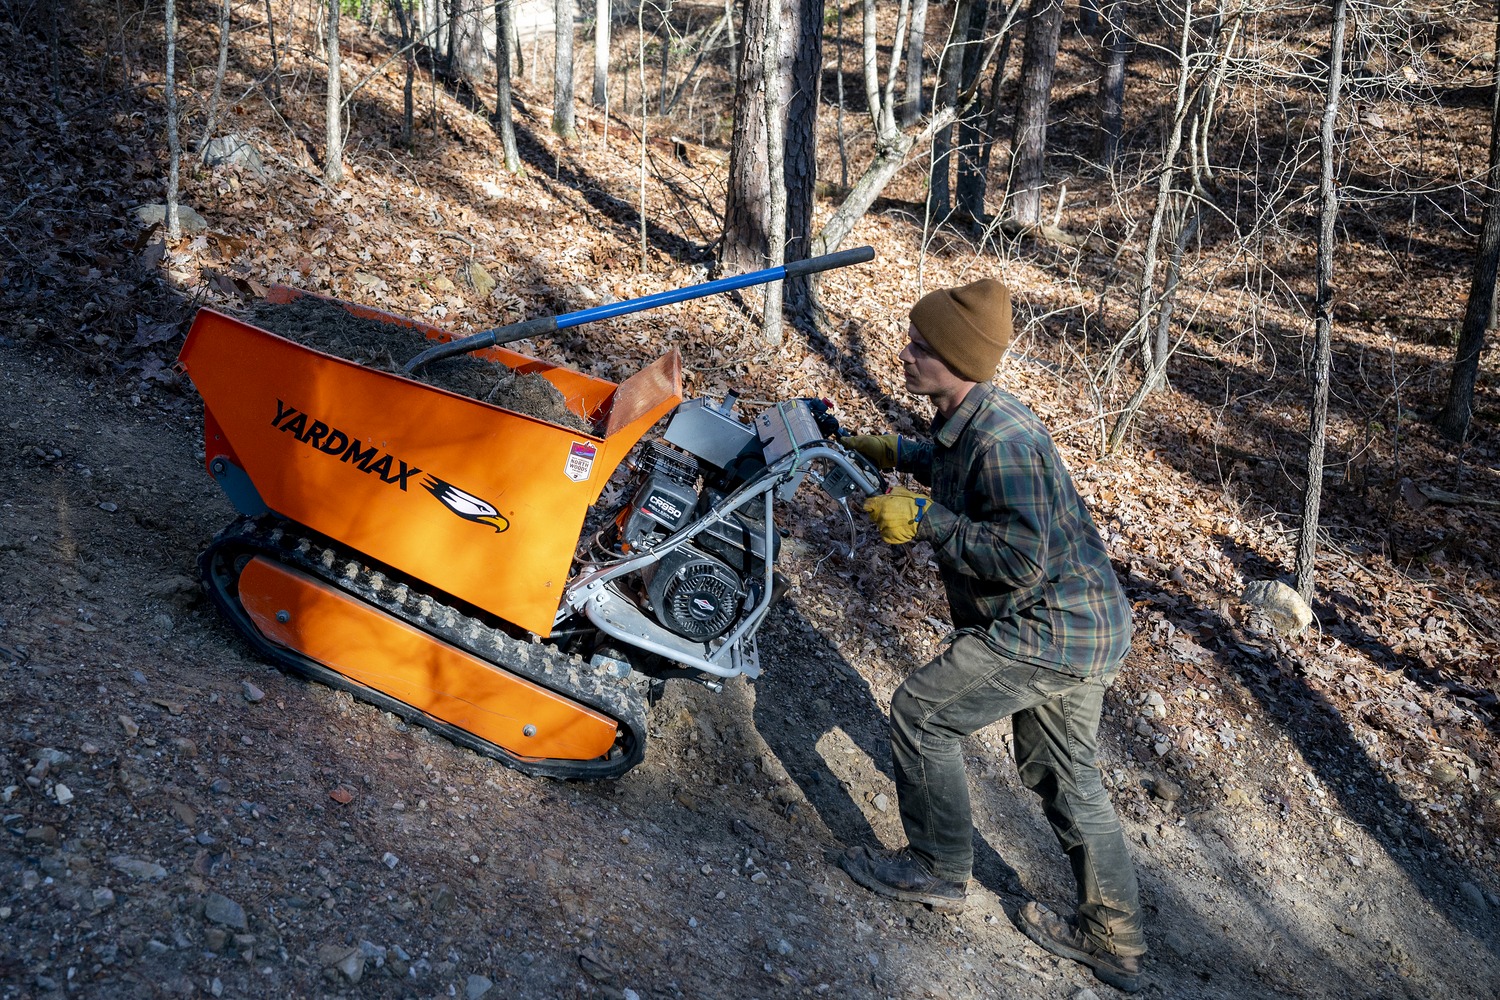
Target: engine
{"type": "Point", "coordinates": [722, 555]}
{"type": "Point", "coordinates": [700, 589]}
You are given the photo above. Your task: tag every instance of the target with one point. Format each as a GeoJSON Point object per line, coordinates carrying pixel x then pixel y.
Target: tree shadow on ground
{"type": "Point", "coordinates": [1280, 682]}
{"type": "Point", "coordinates": [795, 710]}
{"type": "Point", "coordinates": [806, 736]}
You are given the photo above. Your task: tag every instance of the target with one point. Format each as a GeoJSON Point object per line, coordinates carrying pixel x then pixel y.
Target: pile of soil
{"type": "Point", "coordinates": [328, 327]}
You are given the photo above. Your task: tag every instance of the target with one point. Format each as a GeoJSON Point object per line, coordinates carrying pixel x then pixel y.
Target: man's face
{"type": "Point", "coordinates": [926, 373]}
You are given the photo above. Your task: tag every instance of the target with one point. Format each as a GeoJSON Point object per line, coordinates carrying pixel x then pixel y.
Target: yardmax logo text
{"type": "Point", "coordinates": [332, 441]}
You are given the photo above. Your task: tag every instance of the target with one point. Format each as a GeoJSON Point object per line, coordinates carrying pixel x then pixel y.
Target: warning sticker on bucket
{"type": "Point", "coordinates": [580, 461]}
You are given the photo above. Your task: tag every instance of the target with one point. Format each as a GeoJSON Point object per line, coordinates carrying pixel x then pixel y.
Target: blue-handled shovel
{"type": "Point", "coordinates": [543, 325]}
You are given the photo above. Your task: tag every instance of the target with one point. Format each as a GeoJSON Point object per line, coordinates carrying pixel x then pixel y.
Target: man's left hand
{"type": "Point", "coordinates": [896, 514]}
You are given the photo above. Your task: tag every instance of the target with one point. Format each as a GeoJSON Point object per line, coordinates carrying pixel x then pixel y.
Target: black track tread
{"type": "Point", "coordinates": [623, 700]}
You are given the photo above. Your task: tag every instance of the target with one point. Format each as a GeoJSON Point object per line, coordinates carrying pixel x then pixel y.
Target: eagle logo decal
{"type": "Point", "coordinates": [465, 505]}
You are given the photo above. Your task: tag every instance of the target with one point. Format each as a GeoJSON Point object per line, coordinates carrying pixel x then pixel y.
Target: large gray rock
{"type": "Point", "coordinates": [352, 967]}
{"type": "Point", "coordinates": [1285, 608]}
{"type": "Point", "coordinates": [223, 910]}
{"type": "Point", "coordinates": [140, 869]}
{"type": "Point", "coordinates": [234, 151]}
{"type": "Point", "coordinates": [1473, 896]}
{"type": "Point", "coordinates": [191, 221]}
{"type": "Point", "coordinates": [476, 987]}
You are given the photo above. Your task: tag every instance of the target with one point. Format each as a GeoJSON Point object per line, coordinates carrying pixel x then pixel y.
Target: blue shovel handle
{"type": "Point", "coordinates": [543, 325]}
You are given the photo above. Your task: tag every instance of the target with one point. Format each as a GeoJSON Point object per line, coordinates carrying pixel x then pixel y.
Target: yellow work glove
{"type": "Point", "coordinates": [878, 448]}
{"type": "Point", "coordinates": [896, 514]}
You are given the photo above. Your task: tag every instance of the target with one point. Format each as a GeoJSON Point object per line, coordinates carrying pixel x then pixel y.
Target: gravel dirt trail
{"type": "Point", "coordinates": [205, 826]}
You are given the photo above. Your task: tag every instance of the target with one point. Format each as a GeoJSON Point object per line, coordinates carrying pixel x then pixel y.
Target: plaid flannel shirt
{"type": "Point", "coordinates": [1019, 554]}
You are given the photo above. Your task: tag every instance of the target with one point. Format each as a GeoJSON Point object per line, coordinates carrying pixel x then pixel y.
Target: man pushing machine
{"type": "Point", "coordinates": [1041, 629]}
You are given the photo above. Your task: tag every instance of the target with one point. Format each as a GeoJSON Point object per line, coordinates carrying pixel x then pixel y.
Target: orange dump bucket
{"type": "Point", "coordinates": [475, 500]}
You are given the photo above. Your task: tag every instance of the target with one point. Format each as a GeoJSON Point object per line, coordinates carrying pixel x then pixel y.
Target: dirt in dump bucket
{"type": "Point", "coordinates": [330, 328]}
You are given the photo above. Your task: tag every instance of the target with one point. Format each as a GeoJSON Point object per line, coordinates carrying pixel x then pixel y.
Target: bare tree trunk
{"type": "Point", "coordinates": [275, 56]}
{"type": "Point", "coordinates": [747, 198]}
{"type": "Point", "coordinates": [971, 125]}
{"type": "Point", "coordinates": [843, 145]}
{"type": "Point", "coordinates": [174, 144]}
{"type": "Point", "coordinates": [404, 24]}
{"type": "Point", "coordinates": [640, 51]}
{"type": "Point", "coordinates": [1155, 362]}
{"type": "Point", "coordinates": [1312, 496]}
{"type": "Point", "coordinates": [562, 71]}
{"type": "Point", "coordinates": [517, 49]}
{"type": "Point", "coordinates": [666, 56]}
{"type": "Point", "coordinates": [1038, 65]}
{"type": "Point", "coordinates": [950, 71]}
{"type": "Point", "coordinates": [1457, 411]}
{"type": "Point", "coordinates": [771, 321]}
{"type": "Point", "coordinates": [455, 15]}
{"type": "Point", "coordinates": [734, 46]}
{"type": "Point", "coordinates": [1112, 82]}
{"type": "Point", "coordinates": [1088, 15]}
{"type": "Point", "coordinates": [504, 29]}
{"type": "Point", "coordinates": [995, 109]}
{"type": "Point", "coordinates": [218, 92]}
{"type": "Point", "coordinates": [333, 154]}
{"type": "Point", "coordinates": [891, 144]}
{"type": "Point", "coordinates": [601, 51]}
{"type": "Point", "coordinates": [911, 107]}
{"type": "Point", "coordinates": [806, 75]}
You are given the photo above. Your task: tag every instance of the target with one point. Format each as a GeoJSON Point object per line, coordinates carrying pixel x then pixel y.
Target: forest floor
{"type": "Point", "coordinates": [1311, 816]}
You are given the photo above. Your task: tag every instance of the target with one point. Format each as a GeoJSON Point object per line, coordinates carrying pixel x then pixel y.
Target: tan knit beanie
{"type": "Point", "coordinates": [968, 327]}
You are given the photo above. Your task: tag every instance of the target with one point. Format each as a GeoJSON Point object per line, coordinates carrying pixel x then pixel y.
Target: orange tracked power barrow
{"type": "Point", "coordinates": [428, 551]}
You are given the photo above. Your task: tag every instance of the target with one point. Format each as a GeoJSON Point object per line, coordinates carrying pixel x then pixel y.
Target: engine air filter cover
{"type": "Point", "coordinates": [694, 594]}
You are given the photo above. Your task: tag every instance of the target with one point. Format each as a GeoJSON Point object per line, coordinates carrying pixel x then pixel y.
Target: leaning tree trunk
{"type": "Point", "coordinates": [1453, 421]}
{"type": "Point", "coordinates": [747, 197]}
{"type": "Point", "coordinates": [801, 170]}
{"type": "Point", "coordinates": [1112, 82]}
{"type": "Point", "coordinates": [333, 153]}
{"type": "Point", "coordinates": [1038, 66]}
{"type": "Point", "coordinates": [771, 69]}
{"type": "Point", "coordinates": [1312, 496]}
{"type": "Point", "coordinates": [562, 70]}
{"type": "Point", "coordinates": [218, 92]}
{"type": "Point", "coordinates": [504, 32]}
{"type": "Point", "coordinates": [601, 51]}
{"type": "Point", "coordinates": [911, 106]}
{"type": "Point", "coordinates": [174, 144]}
{"type": "Point", "coordinates": [945, 99]}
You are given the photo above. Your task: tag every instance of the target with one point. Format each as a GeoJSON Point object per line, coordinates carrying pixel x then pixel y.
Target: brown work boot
{"type": "Point", "coordinates": [898, 875]}
{"type": "Point", "coordinates": [1062, 937]}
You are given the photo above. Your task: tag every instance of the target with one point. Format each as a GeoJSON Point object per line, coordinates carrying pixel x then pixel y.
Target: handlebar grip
{"type": "Point", "coordinates": [828, 261]}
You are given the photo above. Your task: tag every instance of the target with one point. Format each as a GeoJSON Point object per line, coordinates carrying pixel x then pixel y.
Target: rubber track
{"type": "Point", "coordinates": [623, 700]}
